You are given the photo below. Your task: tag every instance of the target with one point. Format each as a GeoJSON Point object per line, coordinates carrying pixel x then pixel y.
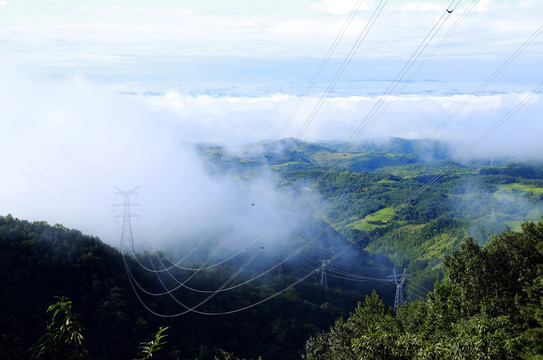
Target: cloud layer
{"type": "Point", "coordinates": [66, 144]}
{"type": "Point", "coordinates": [245, 119]}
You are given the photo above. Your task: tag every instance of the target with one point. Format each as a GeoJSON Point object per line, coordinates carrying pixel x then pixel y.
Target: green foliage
{"type": "Point", "coordinates": [489, 306]}
{"type": "Point", "coordinates": [224, 355]}
{"type": "Point", "coordinates": [371, 317]}
{"type": "Point", "coordinates": [39, 261]}
{"type": "Point", "coordinates": [63, 339]}
{"type": "Point", "coordinates": [533, 336]}
{"type": "Point", "coordinates": [357, 185]}
{"type": "Point", "coordinates": [148, 349]}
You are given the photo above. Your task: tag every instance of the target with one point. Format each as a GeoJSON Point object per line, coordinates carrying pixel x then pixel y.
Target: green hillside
{"type": "Point", "coordinates": [488, 306]}
{"type": "Point", "coordinates": [393, 198]}
{"type": "Point", "coordinates": [40, 262]}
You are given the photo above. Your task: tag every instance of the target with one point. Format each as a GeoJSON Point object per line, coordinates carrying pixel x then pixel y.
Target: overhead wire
{"type": "Point", "coordinates": [451, 163]}
{"type": "Point", "coordinates": [422, 288]}
{"type": "Point", "coordinates": [489, 79]}
{"type": "Point", "coordinates": [385, 101]}
{"type": "Point", "coordinates": [479, 89]}
{"type": "Point", "coordinates": [484, 136]}
{"type": "Point", "coordinates": [135, 285]}
{"type": "Point", "coordinates": [414, 57]}
{"type": "Point", "coordinates": [470, 148]}
{"type": "Point", "coordinates": [317, 72]}
{"type": "Point", "coordinates": [315, 76]}
{"type": "Point", "coordinates": [176, 263]}
{"type": "Point", "coordinates": [346, 61]}
{"type": "Point", "coordinates": [263, 25]}
{"type": "Point", "coordinates": [357, 44]}
{"type": "Point", "coordinates": [344, 65]}
{"type": "Point", "coordinates": [449, 118]}
{"type": "Point", "coordinates": [511, 115]}
{"type": "Point", "coordinates": [308, 88]}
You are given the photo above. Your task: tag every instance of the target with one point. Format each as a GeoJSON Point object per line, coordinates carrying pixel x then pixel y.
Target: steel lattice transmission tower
{"type": "Point", "coordinates": [399, 280]}
{"type": "Point", "coordinates": [126, 234]}
{"type": "Point", "coordinates": [324, 280]}
{"type": "Point", "coordinates": [281, 278]}
{"type": "Point", "coordinates": [492, 216]}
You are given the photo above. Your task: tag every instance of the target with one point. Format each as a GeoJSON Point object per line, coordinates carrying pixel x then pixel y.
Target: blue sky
{"type": "Point", "coordinates": [101, 93]}
{"type": "Point", "coordinates": [258, 47]}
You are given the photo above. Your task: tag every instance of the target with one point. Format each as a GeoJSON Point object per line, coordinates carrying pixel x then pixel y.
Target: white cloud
{"type": "Point", "coordinates": [414, 7]}
{"type": "Point", "coordinates": [342, 7]}
{"type": "Point", "coordinates": [173, 30]}
{"type": "Point", "coordinates": [70, 142]}
{"type": "Point", "coordinates": [246, 119]}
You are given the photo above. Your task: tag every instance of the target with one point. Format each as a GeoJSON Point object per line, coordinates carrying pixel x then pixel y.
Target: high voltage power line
{"type": "Point", "coordinates": [520, 105]}
{"type": "Point", "coordinates": [317, 73]}
{"type": "Point", "coordinates": [339, 72]}
{"type": "Point", "coordinates": [393, 84]}
{"type": "Point", "coordinates": [487, 133]}
{"type": "Point", "coordinates": [357, 44]}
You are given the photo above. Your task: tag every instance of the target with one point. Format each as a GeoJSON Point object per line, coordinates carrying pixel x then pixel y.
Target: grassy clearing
{"type": "Point", "coordinates": [514, 225]}
{"type": "Point", "coordinates": [516, 186]}
{"type": "Point", "coordinates": [438, 246]}
{"type": "Point", "coordinates": [377, 219]}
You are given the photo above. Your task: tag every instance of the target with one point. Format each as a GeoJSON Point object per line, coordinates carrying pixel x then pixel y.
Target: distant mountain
{"type": "Point", "coordinates": [297, 154]}
{"type": "Point", "coordinates": [423, 149]}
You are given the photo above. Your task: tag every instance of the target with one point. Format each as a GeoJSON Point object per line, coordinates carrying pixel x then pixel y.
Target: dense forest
{"type": "Point", "coordinates": [41, 262]}
{"type": "Point", "coordinates": [474, 285]}
{"type": "Point", "coordinates": [488, 306]}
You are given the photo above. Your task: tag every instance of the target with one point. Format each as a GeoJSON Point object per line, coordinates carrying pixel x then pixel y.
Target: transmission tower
{"type": "Point", "coordinates": [281, 278]}
{"type": "Point", "coordinates": [126, 234]}
{"type": "Point", "coordinates": [492, 216]}
{"type": "Point", "coordinates": [324, 280]}
{"type": "Point", "coordinates": [399, 281]}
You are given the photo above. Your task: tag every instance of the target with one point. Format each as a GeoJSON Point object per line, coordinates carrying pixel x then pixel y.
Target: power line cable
{"type": "Point", "coordinates": [429, 183]}
{"type": "Point", "coordinates": [416, 54]}
{"type": "Point", "coordinates": [344, 64]}
{"type": "Point", "coordinates": [339, 72]}
{"type": "Point", "coordinates": [317, 72]}
{"type": "Point", "coordinates": [263, 25]}
{"type": "Point", "coordinates": [355, 48]}
{"type": "Point", "coordinates": [473, 3]}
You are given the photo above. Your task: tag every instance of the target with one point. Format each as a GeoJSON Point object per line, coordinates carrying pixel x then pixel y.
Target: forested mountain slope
{"type": "Point", "coordinates": [39, 262]}
{"type": "Point", "coordinates": [489, 306]}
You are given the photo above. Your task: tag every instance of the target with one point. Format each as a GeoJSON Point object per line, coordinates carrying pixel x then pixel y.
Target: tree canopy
{"type": "Point", "coordinates": [488, 306]}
